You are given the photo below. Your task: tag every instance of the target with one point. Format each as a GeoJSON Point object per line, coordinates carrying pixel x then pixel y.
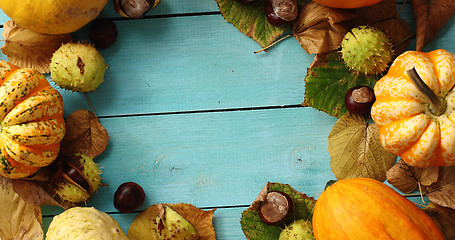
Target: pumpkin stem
{"type": "Point", "coordinates": [438, 105]}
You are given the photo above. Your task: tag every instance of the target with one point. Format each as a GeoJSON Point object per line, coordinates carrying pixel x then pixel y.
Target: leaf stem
{"type": "Point", "coordinates": [90, 103]}
{"type": "Point", "coordinates": [270, 45]}
{"type": "Point", "coordinates": [438, 105]}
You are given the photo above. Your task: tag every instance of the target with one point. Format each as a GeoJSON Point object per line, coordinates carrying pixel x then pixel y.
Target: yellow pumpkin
{"type": "Point", "coordinates": [32, 124]}
{"type": "Point", "coordinates": [364, 208]}
{"type": "Point", "coordinates": [54, 16]}
{"type": "Point", "coordinates": [410, 125]}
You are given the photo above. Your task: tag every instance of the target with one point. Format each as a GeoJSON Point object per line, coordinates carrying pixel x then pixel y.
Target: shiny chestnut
{"type": "Point", "coordinates": [281, 12]}
{"type": "Point", "coordinates": [276, 208]}
{"type": "Point", "coordinates": [359, 99]}
{"type": "Point", "coordinates": [128, 197]}
{"type": "Point", "coordinates": [103, 33]}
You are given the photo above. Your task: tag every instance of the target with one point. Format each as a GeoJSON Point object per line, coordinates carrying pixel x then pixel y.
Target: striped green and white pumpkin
{"type": "Point", "coordinates": [32, 124]}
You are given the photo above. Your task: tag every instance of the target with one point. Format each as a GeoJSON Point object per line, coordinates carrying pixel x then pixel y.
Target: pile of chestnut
{"type": "Point", "coordinates": [278, 12]}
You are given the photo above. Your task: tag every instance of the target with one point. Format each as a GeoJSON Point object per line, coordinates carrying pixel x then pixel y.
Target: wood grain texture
{"type": "Point", "coordinates": [195, 116]}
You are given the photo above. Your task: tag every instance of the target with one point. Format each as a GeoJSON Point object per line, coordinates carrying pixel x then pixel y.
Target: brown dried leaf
{"type": "Point", "coordinates": [320, 29]}
{"type": "Point", "coordinates": [430, 16]}
{"type": "Point", "coordinates": [398, 31]}
{"type": "Point", "coordinates": [33, 193]}
{"type": "Point", "coordinates": [443, 191]}
{"type": "Point", "coordinates": [19, 220]}
{"type": "Point", "coordinates": [401, 177]}
{"type": "Point", "coordinates": [28, 49]}
{"type": "Point", "coordinates": [406, 178]}
{"type": "Point", "coordinates": [444, 218]}
{"type": "Point", "coordinates": [385, 9]}
{"type": "Point", "coordinates": [84, 134]}
{"type": "Point", "coordinates": [142, 227]}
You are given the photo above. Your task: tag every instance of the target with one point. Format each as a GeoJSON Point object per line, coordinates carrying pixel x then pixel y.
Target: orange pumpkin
{"type": "Point", "coordinates": [364, 208]}
{"type": "Point", "coordinates": [32, 124]}
{"type": "Point", "coordinates": [347, 3]}
{"type": "Point", "coordinates": [409, 124]}
{"type": "Point", "coordinates": [52, 17]}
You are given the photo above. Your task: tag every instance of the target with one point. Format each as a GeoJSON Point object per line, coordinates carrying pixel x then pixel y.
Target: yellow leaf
{"type": "Point", "coordinates": [144, 224]}
{"type": "Point", "coordinates": [28, 49]}
{"type": "Point", "coordinates": [19, 220]}
{"type": "Point", "coordinates": [356, 151]}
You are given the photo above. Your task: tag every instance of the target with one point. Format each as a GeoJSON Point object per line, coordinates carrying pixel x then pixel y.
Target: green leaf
{"type": "Point", "coordinates": [250, 20]}
{"type": "Point", "coordinates": [327, 82]}
{"type": "Point", "coordinates": [255, 229]}
{"type": "Point", "coordinates": [356, 151]}
{"type": "Point", "coordinates": [303, 205]}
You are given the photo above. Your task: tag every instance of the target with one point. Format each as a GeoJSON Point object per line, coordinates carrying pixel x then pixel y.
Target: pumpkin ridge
{"type": "Point", "coordinates": [363, 208]}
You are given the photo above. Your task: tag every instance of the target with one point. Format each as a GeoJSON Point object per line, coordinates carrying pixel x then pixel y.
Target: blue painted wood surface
{"type": "Point", "coordinates": [195, 116]}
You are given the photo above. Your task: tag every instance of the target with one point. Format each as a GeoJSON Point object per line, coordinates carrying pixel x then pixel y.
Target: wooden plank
{"type": "Point", "coordinates": [166, 7]}
{"type": "Point", "coordinates": [193, 63]}
{"type": "Point", "coordinates": [215, 159]}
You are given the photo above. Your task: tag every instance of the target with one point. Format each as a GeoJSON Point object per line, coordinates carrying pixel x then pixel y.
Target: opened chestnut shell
{"type": "Point", "coordinates": [276, 208]}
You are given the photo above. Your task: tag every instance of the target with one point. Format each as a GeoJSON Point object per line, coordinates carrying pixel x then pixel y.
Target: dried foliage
{"type": "Point", "coordinates": [28, 49]}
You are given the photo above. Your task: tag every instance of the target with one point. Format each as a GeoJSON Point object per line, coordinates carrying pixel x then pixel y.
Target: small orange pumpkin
{"type": "Point", "coordinates": [32, 124]}
{"type": "Point", "coordinates": [410, 125]}
{"type": "Point", "coordinates": [364, 208]}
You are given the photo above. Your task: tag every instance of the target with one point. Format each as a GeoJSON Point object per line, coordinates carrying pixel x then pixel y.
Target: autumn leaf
{"type": "Point", "coordinates": [444, 218]}
{"type": "Point", "coordinates": [19, 220]}
{"type": "Point", "coordinates": [84, 134]}
{"type": "Point", "coordinates": [437, 183]}
{"type": "Point", "coordinates": [398, 31]}
{"type": "Point", "coordinates": [356, 151]}
{"type": "Point", "coordinates": [430, 16]}
{"type": "Point", "coordinates": [143, 225]}
{"type": "Point", "coordinates": [328, 80]}
{"type": "Point", "coordinates": [28, 49]}
{"type": "Point", "coordinates": [385, 9]}
{"type": "Point", "coordinates": [407, 179]}
{"type": "Point", "coordinates": [34, 193]}
{"type": "Point", "coordinates": [321, 29]}
{"type": "Point", "coordinates": [255, 229]}
{"type": "Point", "coordinates": [250, 20]}
{"type": "Point", "coordinates": [442, 192]}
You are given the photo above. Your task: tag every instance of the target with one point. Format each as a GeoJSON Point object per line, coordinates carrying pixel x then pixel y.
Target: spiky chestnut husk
{"type": "Point", "coordinates": [300, 229]}
{"type": "Point", "coordinates": [172, 226]}
{"type": "Point", "coordinates": [366, 50]}
{"type": "Point", "coordinates": [84, 223]}
{"type": "Point", "coordinates": [76, 178]}
{"type": "Point", "coordinates": [78, 67]}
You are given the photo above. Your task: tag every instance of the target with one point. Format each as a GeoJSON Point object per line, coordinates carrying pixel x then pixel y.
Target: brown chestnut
{"type": "Point", "coordinates": [134, 8]}
{"type": "Point", "coordinates": [358, 100]}
{"type": "Point", "coordinates": [74, 175]}
{"type": "Point", "coordinates": [281, 12]}
{"type": "Point", "coordinates": [128, 197]}
{"type": "Point", "coordinates": [103, 32]}
{"type": "Point", "coordinates": [276, 208]}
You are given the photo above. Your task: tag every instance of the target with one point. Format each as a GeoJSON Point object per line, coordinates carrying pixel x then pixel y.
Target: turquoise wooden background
{"type": "Point", "coordinates": [195, 116]}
